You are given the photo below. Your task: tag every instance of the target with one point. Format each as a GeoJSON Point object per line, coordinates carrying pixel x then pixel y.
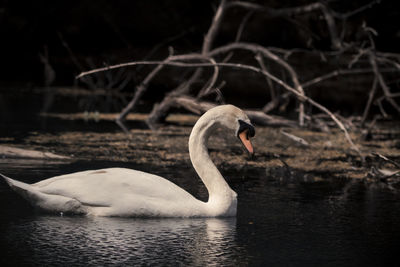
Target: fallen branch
{"type": "Point", "coordinates": [13, 152]}
{"type": "Point", "coordinates": [257, 117]}
{"type": "Point", "coordinates": [295, 138]}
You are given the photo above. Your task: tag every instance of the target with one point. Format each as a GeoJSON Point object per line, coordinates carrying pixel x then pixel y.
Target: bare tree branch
{"type": "Point", "coordinates": [210, 84]}
{"type": "Point", "coordinates": [370, 98]}
{"type": "Point", "coordinates": [385, 88]}
{"type": "Point", "coordinates": [258, 117]}
{"type": "Point", "coordinates": [356, 11]}
{"type": "Point", "coordinates": [330, 21]}
{"type": "Point", "coordinates": [89, 81]}
{"type": "Point", "coordinates": [258, 49]}
{"type": "Point", "coordinates": [212, 31]}
{"type": "Point", "coordinates": [263, 67]}
{"type": "Point", "coordinates": [336, 73]}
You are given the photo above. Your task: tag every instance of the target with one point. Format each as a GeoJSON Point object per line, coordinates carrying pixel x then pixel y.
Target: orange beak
{"type": "Point", "coordinates": [246, 141]}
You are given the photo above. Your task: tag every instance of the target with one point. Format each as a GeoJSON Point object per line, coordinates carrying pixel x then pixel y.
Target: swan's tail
{"type": "Point", "coordinates": [46, 202]}
{"type": "Point", "coordinates": [14, 184]}
{"type": "Point", "coordinates": [25, 190]}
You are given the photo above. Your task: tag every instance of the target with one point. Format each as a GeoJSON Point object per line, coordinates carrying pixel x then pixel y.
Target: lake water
{"type": "Point", "coordinates": [280, 222]}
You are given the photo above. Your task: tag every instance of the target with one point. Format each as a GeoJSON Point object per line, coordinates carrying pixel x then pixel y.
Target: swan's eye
{"type": "Point", "coordinates": [244, 126]}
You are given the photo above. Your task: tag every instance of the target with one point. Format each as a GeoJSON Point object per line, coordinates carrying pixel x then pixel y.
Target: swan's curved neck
{"type": "Point", "coordinates": [216, 185]}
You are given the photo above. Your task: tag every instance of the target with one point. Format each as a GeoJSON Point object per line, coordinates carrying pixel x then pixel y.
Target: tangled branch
{"type": "Point", "coordinates": [219, 58]}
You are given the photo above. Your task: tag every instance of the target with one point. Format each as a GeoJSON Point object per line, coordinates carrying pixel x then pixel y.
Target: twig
{"type": "Point", "coordinates": [239, 33]}
{"type": "Point", "coordinates": [381, 109]}
{"type": "Point", "coordinates": [220, 97]}
{"type": "Point", "coordinates": [295, 138]}
{"type": "Point", "coordinates": [212, 31]}
{"type": "Point", "coordinates": [122, 125]}
{"type": "Point", "coordinates": [49, 73]}
{"type": "Point", "coordinates": [274, 103]}
{"type": "Point", "coordinates": [369, 102]}
{"type": "Point", "coordinates": [263, 67]}
{"type": "Point", "coordinates": [356, 57]}
{"type": "Point", "coordinates": [356, 11]}
{"type": "Point", "coordinates": [89, 81]}
{"type": "Point", "coordinates": [246, 5]}
{"type": "Point", "coordinates": [341, 72]}
{"type": "Point", "coordinates": [336, 43]}
{"type": "Point", "coordinates": [321, 125]}
{"type": "Point", "coordinates": [166, 41]}
{"type": "Point", "coordinates": [139, 92]}
{"type": "Point", "coordinates": [388, 55]}
{"type": "Point", "coordinates": [378, 75]}
{"type": "Point", "coordinates": [386, 159]}
{"type": "Point", "coordinates": [210, 84]}
{"type": "Point", "coordinates": [388, 60]}
{"type": "Point", "coordinates": [242, 25]}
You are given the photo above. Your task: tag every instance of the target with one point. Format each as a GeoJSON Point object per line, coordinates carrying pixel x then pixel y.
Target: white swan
{"type": "Point", "coordinates": [126, 192]}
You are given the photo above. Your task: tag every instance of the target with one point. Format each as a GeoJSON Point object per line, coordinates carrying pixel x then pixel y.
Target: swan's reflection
{"type": "Point", "coordinates": [87, 240]}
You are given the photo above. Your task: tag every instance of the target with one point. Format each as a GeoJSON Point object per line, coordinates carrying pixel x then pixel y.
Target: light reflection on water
{"type": "Point", "coordinates": [118, 241]}
{"type": "Point", "coordinates": [279, 223]}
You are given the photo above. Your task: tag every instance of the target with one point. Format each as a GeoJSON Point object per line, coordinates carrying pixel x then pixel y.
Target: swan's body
{"type": "Point", "coordinates": [111, 192]}
{"type": "Point", "coordinates": [125, 192]}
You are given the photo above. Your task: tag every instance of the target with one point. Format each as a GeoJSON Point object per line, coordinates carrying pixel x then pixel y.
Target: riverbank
{"type": "Point", "coordinates": [304, 154]}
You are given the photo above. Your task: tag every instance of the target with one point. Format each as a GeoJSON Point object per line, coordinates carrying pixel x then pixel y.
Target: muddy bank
{"type": "Point", "coordinates": [327, 155]}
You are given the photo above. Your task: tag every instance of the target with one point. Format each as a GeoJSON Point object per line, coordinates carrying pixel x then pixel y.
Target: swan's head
{"type": "Point", "coordinates": [235, 119]}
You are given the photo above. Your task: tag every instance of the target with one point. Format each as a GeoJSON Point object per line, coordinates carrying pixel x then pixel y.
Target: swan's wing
{"type": "Point", "coordinates": [115, 187]}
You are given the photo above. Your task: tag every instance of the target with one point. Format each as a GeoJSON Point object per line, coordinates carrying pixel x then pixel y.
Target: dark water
{"type": "Point", "coordinates": [279, 223]}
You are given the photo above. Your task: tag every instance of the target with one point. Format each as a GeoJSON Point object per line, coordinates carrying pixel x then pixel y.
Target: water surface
{"type": "Point", "coordinates": [280, 222]}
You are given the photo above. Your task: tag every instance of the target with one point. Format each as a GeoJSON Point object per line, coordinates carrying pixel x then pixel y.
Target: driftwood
{"type": "Point", "coordinates": [295, 138]}
{"type": "Point", "coordinates": [13, 152]}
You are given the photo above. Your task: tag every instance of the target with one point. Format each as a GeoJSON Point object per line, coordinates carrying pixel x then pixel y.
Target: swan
{"type": "Point", "coordinates": [127, 192]}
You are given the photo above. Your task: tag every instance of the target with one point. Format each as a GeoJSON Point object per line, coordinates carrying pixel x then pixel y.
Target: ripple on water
{"type": "Point", "coordinates": [102, 241]}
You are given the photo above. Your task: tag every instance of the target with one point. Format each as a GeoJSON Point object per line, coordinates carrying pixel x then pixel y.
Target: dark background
{"type": "Point", "coordinates": [109, 32]}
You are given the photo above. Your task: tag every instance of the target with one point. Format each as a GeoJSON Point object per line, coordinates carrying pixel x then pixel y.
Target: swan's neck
{"type": "Point", "coordinates": [218, 188]}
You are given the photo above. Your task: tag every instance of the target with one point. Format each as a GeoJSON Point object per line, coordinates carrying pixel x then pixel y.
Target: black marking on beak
{"type": "Point", "coordinates": [243, 126]}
